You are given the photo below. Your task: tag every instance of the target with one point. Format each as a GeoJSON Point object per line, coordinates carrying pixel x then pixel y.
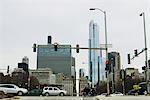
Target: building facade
{"type": "Point", "coordinates": [44, 75]}
{"type": "Point", "coordinates": [133, 72]}
{"type": "Point", "coordinates": [60, 60]}
{"type": "Point", "coordinates": [114, 61]}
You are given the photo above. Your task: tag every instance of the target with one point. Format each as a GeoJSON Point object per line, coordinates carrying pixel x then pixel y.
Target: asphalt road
{"type": "Point", "coordinates": [79, 98]}
{"type": "Point", "coordinates": [50, 98]}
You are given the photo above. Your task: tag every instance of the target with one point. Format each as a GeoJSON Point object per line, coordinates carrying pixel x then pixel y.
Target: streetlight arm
{"type": "Point", "coordinates": [97, 9]}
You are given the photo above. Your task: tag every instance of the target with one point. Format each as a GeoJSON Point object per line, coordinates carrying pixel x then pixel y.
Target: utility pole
{"type": "Point", "coordinates": [146, 58]}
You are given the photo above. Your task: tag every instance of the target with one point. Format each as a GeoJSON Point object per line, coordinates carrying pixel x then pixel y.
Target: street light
{"type": "Point", "coordinates": [104, 12]}
{"type": "Point", "coordinates": [146, 59]}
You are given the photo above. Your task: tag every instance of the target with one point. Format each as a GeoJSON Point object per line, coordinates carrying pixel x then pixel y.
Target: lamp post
{"type": "Point", "coordinates": [104, 12]}
{"type": "Point", "coordinates": [146, 59]}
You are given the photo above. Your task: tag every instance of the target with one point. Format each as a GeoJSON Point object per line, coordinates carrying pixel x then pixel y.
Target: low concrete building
{"type": "Point", "coordinates": [44, 75]}
{"type": "Point", "coordinates": [82, 84]}
{"type": "Point", "coordinates": [68, 86]}
{"type": "Point", "coordinates": [132, 72]}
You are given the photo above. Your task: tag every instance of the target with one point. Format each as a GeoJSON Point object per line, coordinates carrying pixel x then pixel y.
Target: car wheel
{"type": "Point", "coordinates": [20, 93]}
{"type": "Point", "coordinates": [1, 94]}
{"type": "Point", "coordinates": [61, 94]}
{"type": "Point", "coordinates": [46, 94]}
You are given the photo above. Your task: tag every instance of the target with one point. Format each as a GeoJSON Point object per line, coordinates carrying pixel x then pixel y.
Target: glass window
{"type": "Point", "coordinates": [45, 88]}
{"type": "Point", "coordinates": [50, 89]}
{"type": "Point", "coordinates": [55, 89]}
{"type": "Point", "coordinates": [7, 86]}
{"type": "Point", "coordinates": [10, 86]}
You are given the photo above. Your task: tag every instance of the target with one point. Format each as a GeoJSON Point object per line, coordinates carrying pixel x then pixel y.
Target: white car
{"type": "Point", "coordinates": [53, 91]}
{"type": "Point", "coordinates": [12, 89]}
{"type": "Point", "coordinates": [116, 94]}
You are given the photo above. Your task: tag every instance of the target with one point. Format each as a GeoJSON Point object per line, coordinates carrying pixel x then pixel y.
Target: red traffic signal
{"type": "Point", "coordinates": [107, 65]}
{"type": "Point", "coordinates": [106, 61]}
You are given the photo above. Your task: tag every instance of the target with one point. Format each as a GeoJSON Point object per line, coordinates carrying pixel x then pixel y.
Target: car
{"type": "Point", "coordinates": [140, 92]}
{"type": "Point", "coordinates": [34, 92]}
{"type": "Point", "coordinates": [53, 91]}
{"type": "Point", "coordinates": [12, 89]}
{"type": "Point", "coordinates": [116, 94]}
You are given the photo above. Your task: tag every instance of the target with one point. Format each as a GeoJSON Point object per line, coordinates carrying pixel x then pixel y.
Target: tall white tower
{"type": "Point", "coordinates": [93, 54]}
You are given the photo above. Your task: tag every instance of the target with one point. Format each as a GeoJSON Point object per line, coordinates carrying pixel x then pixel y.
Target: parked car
{"type": "Point", "coordinates": [12, 89]}
{"type": "Point", "coordinates": [53, 91]}
{"type": "Point", "coordinates": [34, 92]}
{"type": "Point", "coordinates": [116, 94]}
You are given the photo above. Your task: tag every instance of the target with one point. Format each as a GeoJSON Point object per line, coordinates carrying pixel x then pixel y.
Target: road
{"type": "Point", "coordinates": [79, 98]}
{"type": "Point", "coordinates": [123, 98]}
{"type": "Point", "coordinates": [50, 98]}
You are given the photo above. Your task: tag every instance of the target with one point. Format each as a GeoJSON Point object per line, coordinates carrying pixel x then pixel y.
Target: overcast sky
{"type": "Point", "coordinates": [24, 22]}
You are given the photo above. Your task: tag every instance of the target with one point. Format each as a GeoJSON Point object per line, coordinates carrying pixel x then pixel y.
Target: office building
{"type": "Point", "coordinates": [114, 69]}
{"type": "Point", "coordinates": [94, 55]}
{"type": "Point", "coordinates": [60, 60]}
{"type": "Point", "coordinates": [114, 63]}
{"type": "Point", "coordinates": [81, 73]}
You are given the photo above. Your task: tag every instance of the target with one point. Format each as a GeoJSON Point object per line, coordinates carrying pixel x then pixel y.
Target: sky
{"type": "Point", "coordinates": [24, 22]}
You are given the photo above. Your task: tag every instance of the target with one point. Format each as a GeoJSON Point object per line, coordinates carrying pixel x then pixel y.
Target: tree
{"type": "Point", "coordinates": [34, 82]}
{"type": "Point", "coordinates": [101, 87]}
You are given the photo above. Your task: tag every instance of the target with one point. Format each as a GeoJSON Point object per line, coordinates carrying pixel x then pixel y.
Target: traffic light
{"type": "Point", "coordinates": [55, 47]}
{"type": "Point", "coordinates": [8, 69]}
{"type": "Point", "coordinates": [34, 47]}
{"type": "Point", "coordinates": [107, 66]}
{"type": "Point", "coordinates": [77, 48]}
{"type": "Point", "coordinates": [129, 62]}
{"type": "Point", "coordinates": [143, 68]}
{"type": "Point", "coordinates": [135, 52]}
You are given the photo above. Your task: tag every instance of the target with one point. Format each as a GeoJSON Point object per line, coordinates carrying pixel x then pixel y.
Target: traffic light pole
{"type": "Point", "coordinates": [146, 58]}
{"type": "Point", "coordinates": [108, 90]}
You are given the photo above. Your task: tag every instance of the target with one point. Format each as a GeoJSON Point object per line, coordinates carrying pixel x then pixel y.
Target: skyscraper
{"type": "Point", "coordinates": [93, 54]}
{"type": "Point", "coordinates": [114, 63]}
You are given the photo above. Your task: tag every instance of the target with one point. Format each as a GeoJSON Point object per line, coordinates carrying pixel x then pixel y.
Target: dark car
{"type": "Point", "coordinates": [132, 92]}
{"type": "Point", "coordinates": [35, 92]}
